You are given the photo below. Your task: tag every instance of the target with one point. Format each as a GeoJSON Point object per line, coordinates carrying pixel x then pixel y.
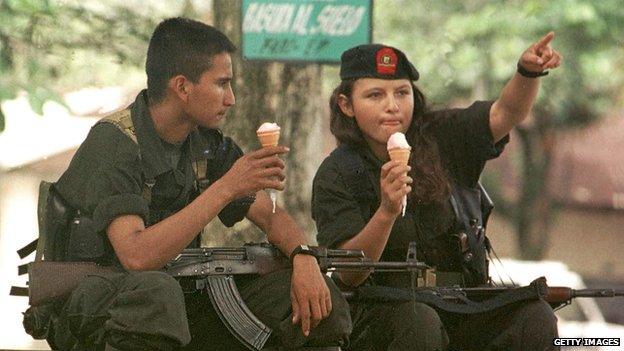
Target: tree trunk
{"type": "Point", "coordinates": [272, 92]}
{"type": "Point", "coordinates": [535, 211]}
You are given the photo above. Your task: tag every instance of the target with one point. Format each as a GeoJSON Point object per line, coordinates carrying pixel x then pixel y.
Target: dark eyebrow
{"type": "Point", "coordinates": [225, 79]}
{"type": "Point", "coordinates": [370, 90]}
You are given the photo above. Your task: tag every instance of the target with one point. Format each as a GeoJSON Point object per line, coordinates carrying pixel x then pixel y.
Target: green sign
{"type": "Point", "coordinates": [304, 30]}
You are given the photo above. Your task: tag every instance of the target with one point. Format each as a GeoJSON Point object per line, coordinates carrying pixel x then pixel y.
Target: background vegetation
{"type": "Point", "coordinates": [464, 50]}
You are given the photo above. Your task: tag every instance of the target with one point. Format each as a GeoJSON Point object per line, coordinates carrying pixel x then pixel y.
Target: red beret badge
{"type": "Point", "coordinates": [386, 60]}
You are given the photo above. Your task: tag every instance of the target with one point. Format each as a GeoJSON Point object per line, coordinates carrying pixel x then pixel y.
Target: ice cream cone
{"type": "Point", "coordinates": [268, 135]}
{"type": "Point", "coordinates": [269, 138]}
{"type": "Point", "coordinates": [400, 155]}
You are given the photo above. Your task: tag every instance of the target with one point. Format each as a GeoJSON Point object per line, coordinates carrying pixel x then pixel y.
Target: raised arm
{"type": "Point", "coordinates": [518, 95]}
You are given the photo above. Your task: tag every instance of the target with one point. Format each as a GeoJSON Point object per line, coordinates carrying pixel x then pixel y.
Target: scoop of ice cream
{"type": "Point", "coordinates": [397, 141]}
{"type": "Point", "coordinates": [268, 127]}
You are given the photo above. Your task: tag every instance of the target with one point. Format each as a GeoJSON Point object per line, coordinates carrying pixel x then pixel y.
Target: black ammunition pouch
{"type": "Point", "coordinates": [55, 216]}
{"type": "Point", "coordinates": [472, 207]}
{"type": "Point", "coordinates": [69, 236]}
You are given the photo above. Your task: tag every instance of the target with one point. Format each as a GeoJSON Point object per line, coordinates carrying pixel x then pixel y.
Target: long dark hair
{"type": "Point", "coordinates": [431, 185]}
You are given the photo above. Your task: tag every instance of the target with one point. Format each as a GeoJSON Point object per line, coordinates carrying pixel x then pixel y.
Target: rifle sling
{"type": "Point", "coordinates": [234, 313]}
{"type": "Point", "coordinates": [437, 299]}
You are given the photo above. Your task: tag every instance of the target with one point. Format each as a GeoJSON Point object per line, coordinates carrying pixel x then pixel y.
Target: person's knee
{"type": "Point", "coordinates": [149, 305]}
{"type": "Point", "coordinates": [155, 288]}
{"type": "Point", "coordinates": [416, 326]}
{"type": "Point", "coordinates": [417, 315]}
{"type": "Point", "coordinates": [87, 298]}
{"type": "Point", "coordinates": [539, 319]}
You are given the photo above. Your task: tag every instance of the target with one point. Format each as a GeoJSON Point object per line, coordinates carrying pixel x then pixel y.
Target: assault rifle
{"type": "Point", "coordinates": [213, 270]}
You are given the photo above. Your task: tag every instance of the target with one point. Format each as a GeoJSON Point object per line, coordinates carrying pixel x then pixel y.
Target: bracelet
{"type": "Point", "coordinates": [528, 74]}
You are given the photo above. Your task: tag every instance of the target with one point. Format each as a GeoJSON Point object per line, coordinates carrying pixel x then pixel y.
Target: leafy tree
{"type": "Point", "coordinates": [50, 47]}
{"type": "Point", "coordinates": [468, 50]}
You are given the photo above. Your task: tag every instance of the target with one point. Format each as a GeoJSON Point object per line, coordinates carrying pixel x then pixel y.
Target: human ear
{"type": "Point", "coordinates": [181, 87]}
{"type": "Point", "coordinates": [345, 105]}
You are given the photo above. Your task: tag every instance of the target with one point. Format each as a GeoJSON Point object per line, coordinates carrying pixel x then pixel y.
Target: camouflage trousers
{"type": "Point", "coordinates": [149, 311]}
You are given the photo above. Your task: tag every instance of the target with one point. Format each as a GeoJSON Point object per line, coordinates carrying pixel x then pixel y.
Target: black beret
{"type": "Point", "coordinates": [376, 61]}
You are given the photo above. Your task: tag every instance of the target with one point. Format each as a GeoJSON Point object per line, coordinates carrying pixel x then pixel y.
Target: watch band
{"type": "Point", "coordinates": [528, 74]}
{"type": "Point", "coordinates": [303, 249]}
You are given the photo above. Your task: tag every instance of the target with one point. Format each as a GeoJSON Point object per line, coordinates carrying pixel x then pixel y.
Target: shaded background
{"type": "Point", "coordinates": [559, 187]}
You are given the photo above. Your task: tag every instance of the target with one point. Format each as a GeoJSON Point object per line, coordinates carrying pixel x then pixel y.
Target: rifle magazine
{"type": "Point", "coordinates": [235, 314]}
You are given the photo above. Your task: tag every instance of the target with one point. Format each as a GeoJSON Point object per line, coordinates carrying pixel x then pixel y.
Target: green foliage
{"type": "Point", "coordinates": [50, 47]}
{"type": "Point", "coordinates": [469, 49]}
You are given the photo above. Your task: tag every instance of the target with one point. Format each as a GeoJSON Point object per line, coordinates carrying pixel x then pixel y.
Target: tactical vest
{"type": "Point", "coordinates": [471, 207]}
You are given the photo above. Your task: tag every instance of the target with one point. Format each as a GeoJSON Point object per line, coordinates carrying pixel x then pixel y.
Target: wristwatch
{"type": "Point", "coordinates": [303, 249]}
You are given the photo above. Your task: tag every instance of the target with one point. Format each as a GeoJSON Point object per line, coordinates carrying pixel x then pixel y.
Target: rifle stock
{"type": "Point", "coordinates": [49, 280]}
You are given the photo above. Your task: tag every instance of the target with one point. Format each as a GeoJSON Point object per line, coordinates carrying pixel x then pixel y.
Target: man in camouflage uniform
{"type": "Point", "coordinates": [138, 194]}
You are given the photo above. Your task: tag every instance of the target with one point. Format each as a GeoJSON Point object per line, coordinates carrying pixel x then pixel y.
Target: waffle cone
{"type": "Point", "coordinates": [269, 138]}
{"type": "Point", "coordinates": [400, 155]}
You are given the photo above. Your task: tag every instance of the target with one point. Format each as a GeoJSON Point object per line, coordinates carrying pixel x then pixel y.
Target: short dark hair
{"type": "Point", "coordinates": [181, 46]}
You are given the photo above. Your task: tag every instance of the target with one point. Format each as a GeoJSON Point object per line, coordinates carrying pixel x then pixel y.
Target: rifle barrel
{"type": "Point", "coordinates": [597, 293]}
{"type": "Point", "coordinates": [379, 266]}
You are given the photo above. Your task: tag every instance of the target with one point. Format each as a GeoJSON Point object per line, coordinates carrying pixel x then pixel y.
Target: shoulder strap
{"type": "Point", "coordinates": [487, 205]}
{"type": "Point", "coordinates": [212, 144]}
{"type": "Point", "coordinates": [122, 120]}
{"type": "Point", "coordinates": [353, 172]}
{"type": "Point", "coordinates": [200, 168]}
